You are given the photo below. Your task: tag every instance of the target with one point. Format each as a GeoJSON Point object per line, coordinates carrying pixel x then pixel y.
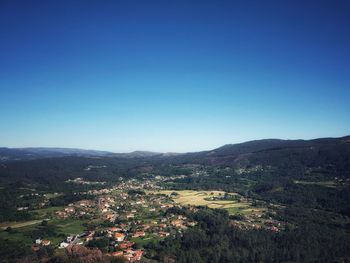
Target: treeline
{"type": "Point", "coordinates": [14, 196]}
{"type": "Point", "coordinates": [53, 171]}
{"type": "Point", "coordinates": [9, 201]}
{"type": "Point", "coordinates": [10, 250]}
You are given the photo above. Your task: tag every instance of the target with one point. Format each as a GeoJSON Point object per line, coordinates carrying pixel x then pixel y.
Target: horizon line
{"type": "Point", "coordinates": [164, 152]}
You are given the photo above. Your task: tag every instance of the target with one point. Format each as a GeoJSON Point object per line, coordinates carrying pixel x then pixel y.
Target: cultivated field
{"type": "Point", "coordinates": [200, 198]}
{"type": "Point", "coordinates": [330, 184]}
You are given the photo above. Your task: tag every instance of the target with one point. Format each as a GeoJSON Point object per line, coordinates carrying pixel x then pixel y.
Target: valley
{"type": "Point", "coordinates": [149, 209]}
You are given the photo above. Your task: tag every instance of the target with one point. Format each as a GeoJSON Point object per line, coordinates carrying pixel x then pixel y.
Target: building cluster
{"type": "Point", "coordinates": [80, 209]}
{"type": "Point", "coordinates": [129, 215]}
{"type": "Point", "coordinates": [32, 201]}
{"type": "Point", "coordinates": [257, 221]}
{"type": "Point", "coordinates": [80, 180]}
{"type": "Point", "coordinates": [40, 243]}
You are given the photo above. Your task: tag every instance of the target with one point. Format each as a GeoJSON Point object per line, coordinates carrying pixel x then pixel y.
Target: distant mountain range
{"type": "Point", "coordinates": [275, 151]}
{"type": "Point", "coordinates": [272, 144]}
{"type": "Point", "coordinates": [13, 154]}
{"type": "Point", "coordinates": [229, 151]}
{"type": "Point", "coordinates": [324, 158]}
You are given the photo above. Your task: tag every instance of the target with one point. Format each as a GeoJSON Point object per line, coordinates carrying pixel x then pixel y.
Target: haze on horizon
{"type": "Point", "coordinates": [172, 76]}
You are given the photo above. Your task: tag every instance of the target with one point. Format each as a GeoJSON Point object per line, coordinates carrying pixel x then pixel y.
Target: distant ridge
{"type": "Point", "coordinates": [31, 153]}
{"type": "Point", "coordinates": [269, 144]}
{"type": "Point", "coordinates": [136, 154]}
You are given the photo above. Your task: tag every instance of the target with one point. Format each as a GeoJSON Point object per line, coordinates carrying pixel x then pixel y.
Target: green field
{"type": "Point", "coordinates": [149, 238]}
{"type": "Point", "coordinates": [22, 231]}
{"type": "Point", "coordinates": [47, 212]}
{"type": "Point", "coordinates": [18, 235]}
{"type": "Point", "coordinates": [69, 226]}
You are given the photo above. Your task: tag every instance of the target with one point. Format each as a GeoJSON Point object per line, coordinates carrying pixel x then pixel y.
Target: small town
{"type": "Point", "coordinates": [132, 214]}
{"type": "Point", "coordinates": [126, 217]}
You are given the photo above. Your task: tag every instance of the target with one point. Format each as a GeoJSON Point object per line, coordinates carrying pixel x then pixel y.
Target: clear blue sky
{"type": "Point", "coordinates": [172, 75]}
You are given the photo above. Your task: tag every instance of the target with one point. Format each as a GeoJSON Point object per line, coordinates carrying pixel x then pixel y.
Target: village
{"type": "Point", "coordinates": [129, 216]}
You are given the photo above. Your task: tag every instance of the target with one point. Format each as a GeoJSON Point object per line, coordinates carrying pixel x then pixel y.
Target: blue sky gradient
{"type": "Point", "coordinates": [172, 75]}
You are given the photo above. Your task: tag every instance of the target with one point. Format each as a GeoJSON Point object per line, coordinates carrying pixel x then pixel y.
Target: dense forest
{"type": "Point", "coordinates": [216, 240]}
